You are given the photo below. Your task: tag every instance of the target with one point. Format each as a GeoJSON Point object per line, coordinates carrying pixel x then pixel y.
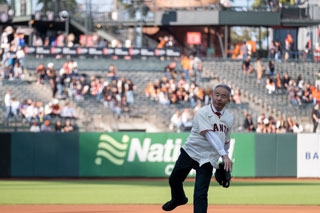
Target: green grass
{"type": "Point", "coordinates": [294, 192]}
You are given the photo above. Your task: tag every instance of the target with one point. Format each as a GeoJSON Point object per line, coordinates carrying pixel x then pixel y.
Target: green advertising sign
{"type": "Point", "coordinates": [129, 154]}
{"type": "Point", "coordinates": [149, 154]}
{"type": "Point", "coordinates": [242, 152]}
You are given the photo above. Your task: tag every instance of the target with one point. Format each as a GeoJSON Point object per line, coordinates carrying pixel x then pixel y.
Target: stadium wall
{"type": "Point", "coordinates": [140, 154]}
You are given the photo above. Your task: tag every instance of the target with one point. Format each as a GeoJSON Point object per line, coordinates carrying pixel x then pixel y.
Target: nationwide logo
{"type": "Point", "coordinates": [147, 150]}
{"type": "Point", "coordinates": [112, 150]}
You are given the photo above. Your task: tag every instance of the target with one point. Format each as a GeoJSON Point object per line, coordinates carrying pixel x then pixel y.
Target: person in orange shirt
{"type": "Point", "coordinates": [185, 63]}
{"type": "Point", "coordinates": [316, 96]}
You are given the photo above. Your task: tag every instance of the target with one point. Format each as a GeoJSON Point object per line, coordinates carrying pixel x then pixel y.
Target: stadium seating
{"type": "Point", "coordinates": [145, 112]}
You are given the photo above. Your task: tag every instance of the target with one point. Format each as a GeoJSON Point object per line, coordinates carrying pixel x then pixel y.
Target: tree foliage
{"type": "Point", "coordinates": [69, 5]}
{"type": "Point", "coordinates": [239, 34]}
{"type": "Point", "coordinates": [261, 3]}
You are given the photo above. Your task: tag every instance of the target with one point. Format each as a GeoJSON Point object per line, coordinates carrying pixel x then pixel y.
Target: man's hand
{"type": "Point", "coordinates": [227, 163]}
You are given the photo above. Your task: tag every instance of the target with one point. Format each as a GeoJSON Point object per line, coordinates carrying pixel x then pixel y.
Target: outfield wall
{"type": "Point", "coordinates": [137, 154]}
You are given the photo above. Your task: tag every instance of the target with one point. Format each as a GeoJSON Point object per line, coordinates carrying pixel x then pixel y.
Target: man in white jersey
{"type": "Point", "coordinates": [209, 140]}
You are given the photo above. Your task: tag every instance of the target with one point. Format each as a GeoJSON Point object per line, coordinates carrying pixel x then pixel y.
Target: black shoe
{"type": "Point", "coordinates": [170, 205]}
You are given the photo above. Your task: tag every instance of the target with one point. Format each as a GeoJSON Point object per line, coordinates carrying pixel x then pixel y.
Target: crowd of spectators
{"type": "Point", "coordinates": [114, 91]}
{"type": "Point", "coordinates": [12, 54]}
{"type": "Point", "coordinates": [298, 91]}
{"type": "Point", "coordinates": [40, 116]}
{"type": "Point", "coordinates": [268, 124]}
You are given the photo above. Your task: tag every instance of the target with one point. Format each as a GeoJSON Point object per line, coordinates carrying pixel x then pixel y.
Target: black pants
{"type": "Point", "coordinates": [315, 125]}
{"type": "Point", "coordinates": [203, 176]}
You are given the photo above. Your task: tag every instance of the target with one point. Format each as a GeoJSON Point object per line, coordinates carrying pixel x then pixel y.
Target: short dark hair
{"type": "Point", "coordinates": [224, 86]}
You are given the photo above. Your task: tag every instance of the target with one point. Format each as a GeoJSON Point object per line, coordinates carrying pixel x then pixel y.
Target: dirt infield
{"type": "Point", "coordinates": [154, 208]}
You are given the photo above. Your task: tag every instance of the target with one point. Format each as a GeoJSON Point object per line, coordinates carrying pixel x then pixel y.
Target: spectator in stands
{"type": "Point", "coordinates": [270, 85]}
{"type": "Point", "coordinates": [260, 69]}
{"type": "Point", "coordinates": [290, 124]}
{"type": "Point", "coordinates": [130, 87]}
{"type": "Point", "coordinates": [306, 53]}
{"type": "Point", "coordinates": [51, 73]}
{"type": "Point", "coordinates": [58, 127]}
{"type": "Point", "coordinates": [176, 121]}
{"type": "Point", "coordinates": [68, 111]}
{"type": "Point", "coordinates": [150, 91]}
{"type": "Point", "coordinates": [260, 124]}
{"type": "Point", "coordinates": [39, 112]}
{"type": "Point", "coordinates": [68, 127]}
{"type": "Point", "coordinates": [170, 70]}
{"type": "Point", "coordinates": [248, 124]}
{"type": "Point", "coordinates": [112, 73]}
{"type": "Point", "coordinates": [244, 50]}
{"type": "Point", "coordinates": [21, 57]}
{"type": "Point", "coordinates": [317, 80]}
{"type": "Point", "coordinates": [41, 117]}
{"type": "Point", "coordinates": [163, 97]}
{"type": "Point", "coordinates": [297, 128]}
{"type": "Point", "coordinates": [7, 103]}
{"type": "Point", "coordinates": [246, 66]}
{"type": "Point", "coordinates": [293, 96]}
{"type": "Point", "coordinates": [45, 127]}
{"type": "Point", "coordinates": [278, 54]}
{"type": "Point", "coordinates": [236, 97]}
{"type": "Point", "coordinates": [30, 112]}
{"type": "Point", "coordinates": [185, 64]}
{"type": "Point", "coordinates": [11, 59]}
{"type": "Point", "coordinates": [273, 5]}
{"type": "Point", "coordinates": [121, 84]}
{"type": "Point", "coordinates": [306, 94]}
{"type": "Point", "coordinates": [35, 127]}
{"type": "Point", "coordinates": [300, 82]}
{"type": "Point", "coordinates": [315, 95]}
{"type": "Point", "coordinates": [278, 82]}
{"type": "Point", "coordinates": [289, 47]}
{"type": "Point", "coordinates": [41, 72]}
{"type": "Point", "coordinates": [187, 119]}
{"type": "Point", "coordinates": [15, 107]}
{"type": "Point", "coordinates": [272, 49]}
{"type": "Point", "coordinates": [107, 95]}
{"type": "Point", "coordinates": [315, 117]}
{"type": "Point", "coordinates": [268, 126]}
{"type": "Point", "coordinates": [196, 67]}
{"type": "Point", "coordinates": [317, 52]}
{"type": "Point", "coordinates": [94, 86]}
{"type": "Point", "coordinates": [285, 80]}
{"type": "Point", "coordinates": [56, 108]}
{"type": "Point", "coordinates": [101, 84]}
{"type": "Point", "coordinates": [115, 105]}
{"type": "Point", "coordinates": [271, 68]}
{"type": "Point", "coordinates": [82, 88]}
{"type": "Point", "coordinates": [161, 42]}
{"type": "Point", "coordinates": [125, 107]}
{"type": "Point", "coordinates": [17, 71]}
{"type": "Point", "coordinates": [281, 124]}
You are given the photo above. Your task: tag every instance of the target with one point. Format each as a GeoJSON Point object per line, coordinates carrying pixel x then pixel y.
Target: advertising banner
{"type": "Point", "coordinates": [103, 51]}
{"type": "Point", "coordinates": [308, 152]}
{"type": "Point", "coordinates": [128, 154]}
{"type": "Point", "coordinates": [149, 154]}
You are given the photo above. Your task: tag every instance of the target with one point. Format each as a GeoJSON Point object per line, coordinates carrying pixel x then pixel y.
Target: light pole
{"type": "Point", "coordinates": [64, 15]}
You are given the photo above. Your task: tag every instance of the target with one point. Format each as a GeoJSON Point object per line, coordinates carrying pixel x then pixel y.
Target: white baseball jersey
{"type": "Point", "coordinates": [197, 146]}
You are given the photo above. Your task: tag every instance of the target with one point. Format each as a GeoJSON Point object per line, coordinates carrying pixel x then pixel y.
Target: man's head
{"type": "Point", "coordinates": [221, 96]}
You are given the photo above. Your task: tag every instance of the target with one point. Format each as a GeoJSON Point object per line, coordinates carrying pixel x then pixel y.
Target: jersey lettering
{"type": "Point", "coordinates": [220, 128]}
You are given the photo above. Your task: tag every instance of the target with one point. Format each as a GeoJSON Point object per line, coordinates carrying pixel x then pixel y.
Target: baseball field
{"type": "Point", "coordinates": [147, 196]}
